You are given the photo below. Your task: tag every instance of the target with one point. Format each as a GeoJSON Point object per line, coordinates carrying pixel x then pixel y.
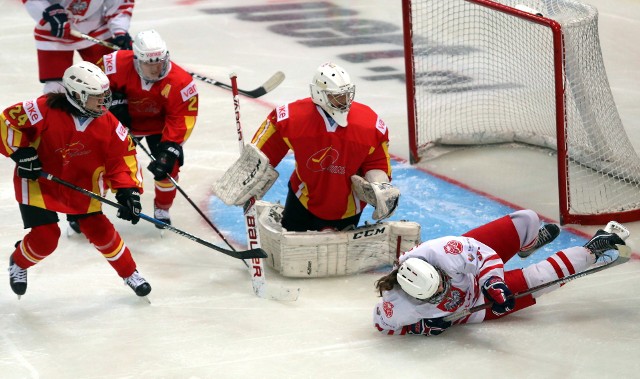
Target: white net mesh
{"type": "Point", "coordinates": [483, 76]}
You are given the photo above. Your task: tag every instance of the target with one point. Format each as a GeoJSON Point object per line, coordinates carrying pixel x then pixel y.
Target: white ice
{"type": "Point", "coordinates": [77, 319]}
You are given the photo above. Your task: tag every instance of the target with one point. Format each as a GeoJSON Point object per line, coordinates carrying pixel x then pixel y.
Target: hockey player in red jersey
{"type": "Point", "coordinates": [446, 275]}
{"type": "Point", "coordinates": [102, 19]}
{"type": "Point", "coordinates": [341, 152]}
{"type": "Point", "coordinates": [71, 136]}
{"type": "Point", "coordinates": [159, 102]}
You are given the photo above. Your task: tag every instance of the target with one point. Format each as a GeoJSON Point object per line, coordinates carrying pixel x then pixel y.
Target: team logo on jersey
{"type": "Point", "coordinates": [453, 247]}
{"type": "Point", "coordinates": [282, 112]}
{"type": "Point", "coordinates": [189, 91]}
{"type": "Point", "coordinates": [381, 126]}
{"type": "Point", "coordinates": [121, 131]}
{"type": "Point", "coordinates": [73, 149]}
{"type": "Point", "coordinates": [453, 300]}
{"type": "Point", "coordinates": [387, 307]}
{"type": "Point", "coordinates": [79, 7]}
{"type": "Point", "coordinates": [323, 160]}
{"type": "Point", "coordinates": [32, 111]}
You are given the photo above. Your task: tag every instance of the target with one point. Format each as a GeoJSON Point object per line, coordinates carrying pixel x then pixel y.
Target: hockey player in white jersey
{"type": "Point", "coordinates": [449, 274]}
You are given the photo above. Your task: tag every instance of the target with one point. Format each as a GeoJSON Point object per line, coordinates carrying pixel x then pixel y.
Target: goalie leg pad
{"type": "Point", "coordinates": [383, 196]}
{"type": "Point", "coordinates": [314, 254]}
{"type": "Point", "coordinates": [251, 175]}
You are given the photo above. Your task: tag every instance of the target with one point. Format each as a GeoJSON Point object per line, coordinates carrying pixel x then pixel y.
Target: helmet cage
{"type": "Point", "coordinates": [150, 49]}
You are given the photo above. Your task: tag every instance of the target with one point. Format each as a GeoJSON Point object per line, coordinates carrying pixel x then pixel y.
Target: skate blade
{"type": "Point", "coordinates": [146, 299]}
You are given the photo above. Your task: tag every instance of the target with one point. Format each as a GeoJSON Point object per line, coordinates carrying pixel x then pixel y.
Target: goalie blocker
{"type": "Point", "coordinates": [315, 254]}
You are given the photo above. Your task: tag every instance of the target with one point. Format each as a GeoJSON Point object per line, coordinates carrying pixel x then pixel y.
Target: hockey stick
{"type": "Point", "coordinates": [258, 279]}
{"type": "Point", "coordinates": [624, 254]}
{"type": "Point", "coordinates": [110, 45]}
{"type": "Point", "coordinates": [267, 86]}
{"type": "Point", "coordinates": [175, 183]}
{"type": "Point", "coordinates": [247, 254]}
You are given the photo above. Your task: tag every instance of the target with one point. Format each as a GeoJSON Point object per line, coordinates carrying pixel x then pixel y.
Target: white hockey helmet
{"type": "Point", "coordinates": [150, 56]}
{"type": "Point", "coordinates": [418, 278]}
{"type": "Point", "coordinates": [332, 90]}
{"type": "Point", "coordinates": [84, 80]}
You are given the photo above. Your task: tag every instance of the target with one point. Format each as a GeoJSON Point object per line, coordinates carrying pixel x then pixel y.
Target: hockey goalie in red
{"type": "Point", "coordinates": [342, 160]}
{"type": "Point", "coordinates": [446, 275]}
{"type": "Point", "coordinates": [101, 19]}
{"type": "Point", "coordinates": [71, 136]}
{"type": "Point", "coordinates": [158, 101]}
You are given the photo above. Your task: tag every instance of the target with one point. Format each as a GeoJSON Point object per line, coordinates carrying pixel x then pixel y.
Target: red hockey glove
{"type": "Point", "coordinates": [496, 290]}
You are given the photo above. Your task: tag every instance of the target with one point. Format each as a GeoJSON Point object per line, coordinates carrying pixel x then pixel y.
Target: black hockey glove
{"type": "Point", "coordinates": [57, 17]}
{"type": "Point", "coordinates": [120, 108]}
{"type": "Point", "coordinates": [166, 159]}
{"type": "Point", "coordinates": [129, 198]}
{"type": "Point", "coordinates": [429, 326]}
{"type": "Point", "coordinates": [496, 290]}
{"type": "Point", "coordinates": [29, 166]}
{"type": "Point", "coordinates": [123, 41]}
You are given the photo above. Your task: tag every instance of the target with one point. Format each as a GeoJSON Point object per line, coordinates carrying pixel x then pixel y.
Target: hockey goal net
{"type": "Point", "coordinates": [483, 72]}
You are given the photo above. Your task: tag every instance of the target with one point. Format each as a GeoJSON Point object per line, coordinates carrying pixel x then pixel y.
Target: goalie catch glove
{"type": "Point", "coordinates": [162, 166]}
{"type": "Point", "coordinates": [381, 194]}
{"type": "Point", "coordinates": [250, 176]}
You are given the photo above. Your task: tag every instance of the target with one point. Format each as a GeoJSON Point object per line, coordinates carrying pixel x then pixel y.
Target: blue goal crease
{"type": "Point", "coordinates": [440, 207]}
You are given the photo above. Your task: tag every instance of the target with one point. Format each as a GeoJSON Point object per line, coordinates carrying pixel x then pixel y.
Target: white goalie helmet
{"type": "Point", "coordinates": [418, 278]}
{"type": "Point", "coordinates": [150, 56]}
{"type": "Point", "coordinates": [332, 90]}
{"type": "Point", "coordinates": [84, 81]}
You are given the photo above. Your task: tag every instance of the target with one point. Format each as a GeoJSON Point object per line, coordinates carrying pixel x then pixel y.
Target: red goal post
{"type": "Point", "coordinates": [482, 72]}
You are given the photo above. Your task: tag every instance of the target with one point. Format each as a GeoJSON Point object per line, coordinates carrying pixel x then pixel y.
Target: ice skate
{"type": "Point", "coordinates": [546, 234]}
{"type": "Point", "coordinates": [161, 215]}
{"type": "Point", "coordinates": [73, 229]}
{"type": "Point", "coordinates": [17, 278]}
{"type": "Point", "coordinates": [602, 242]}
{"type": "Point", "coordinates": [138, 284]}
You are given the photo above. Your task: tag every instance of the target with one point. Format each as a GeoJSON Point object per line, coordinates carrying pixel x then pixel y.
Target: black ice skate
{"type": "Point", "coordinates": [17, 278]}
{"type": "Point", "coordinates": [603, 241]}
{"type": "Point", "coordinates": [138, 284]}
{"type": "Point", "coordinates": [161, 215]}
{"type": "Point", "coordinates": [546, 234]}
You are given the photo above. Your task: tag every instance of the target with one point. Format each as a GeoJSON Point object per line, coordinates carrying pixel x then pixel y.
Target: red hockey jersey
{"type": "Point", "coordinates": [168, 106]}
{"type": "Point", "coordinates": [93, 153]}
{"type": "Point", "coordinates": [326, 155]}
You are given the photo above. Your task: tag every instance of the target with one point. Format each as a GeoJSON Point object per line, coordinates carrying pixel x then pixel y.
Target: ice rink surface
{"type": "Point", "coordinates": [78, 320]}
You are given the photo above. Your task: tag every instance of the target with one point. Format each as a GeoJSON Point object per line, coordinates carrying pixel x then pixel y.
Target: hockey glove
{"type": "Point", "coordinates": [166, 159]}
{"type": "Point", "coordinates": [496, 290]}
{"type": "Point", "coordinates": [129, 198]}
{"type": "Point", "coordinates": [123, 41]}
{"type": "Point", "coordinates": [429, 326]}
{"type": "Point", "coordinates": [120, 108]}
{"type": "Point", "coordinates": [57, 17]}
{"type": "Point", "coordinates": [29, 166]}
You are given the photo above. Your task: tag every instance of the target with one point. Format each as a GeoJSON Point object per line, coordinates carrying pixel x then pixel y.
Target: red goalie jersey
{"type": "Point", "coordinates": [326, 154]}
{"type": "Point", "coordinates": [168, 106]}
{"type": "Point", "coordinates": [92, 153]}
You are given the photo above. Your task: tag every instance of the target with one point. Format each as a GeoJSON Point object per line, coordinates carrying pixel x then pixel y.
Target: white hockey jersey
{"type": "Point", "coordinates": [101, 19]}
{"type": "Point", "coordinates": [466, 261]}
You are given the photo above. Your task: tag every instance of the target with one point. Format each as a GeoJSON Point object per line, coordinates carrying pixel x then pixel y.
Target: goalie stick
{"type": "Point", "coordinates": [258, 279]}
{"type": "Point", "coordinates": [624, 254]}
{"type": "Point", "coordinates": [246, 254]}
{"type": "Point", "coordinates": [267, 86]}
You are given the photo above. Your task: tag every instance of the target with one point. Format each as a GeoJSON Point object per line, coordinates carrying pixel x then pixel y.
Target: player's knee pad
{"type": "Point", "coordinates": [42, 240]}
{"type": "Point", "coordinates": [98, 229]}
